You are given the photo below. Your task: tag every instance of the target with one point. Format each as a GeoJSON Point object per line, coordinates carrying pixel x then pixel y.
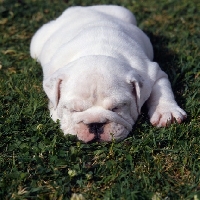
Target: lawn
{"type": "Point", "coordinates": [38, 162]}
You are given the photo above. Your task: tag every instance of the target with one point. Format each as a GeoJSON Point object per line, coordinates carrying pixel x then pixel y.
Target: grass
{"type": "Point", "coordinates": [38, 162]}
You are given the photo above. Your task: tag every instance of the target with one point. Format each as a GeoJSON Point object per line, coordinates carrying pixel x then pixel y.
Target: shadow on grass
{"type": "Point", "coordinates": [168, 61]}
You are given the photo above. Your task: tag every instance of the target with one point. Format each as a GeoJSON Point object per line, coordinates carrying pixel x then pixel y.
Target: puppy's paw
{"type": "Point", "coordinates": [164, 115]}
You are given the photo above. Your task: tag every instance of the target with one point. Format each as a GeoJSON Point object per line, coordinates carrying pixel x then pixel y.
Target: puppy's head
{"type": "Point", "coordinates": [95, 98]}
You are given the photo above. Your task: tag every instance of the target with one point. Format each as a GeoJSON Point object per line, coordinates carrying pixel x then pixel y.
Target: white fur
{"type": "Point", "coordinates": [98, 68]}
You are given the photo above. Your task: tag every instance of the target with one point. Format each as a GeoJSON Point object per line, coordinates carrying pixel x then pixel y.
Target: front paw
{"type": "Point", "coordinates": [166, 114]}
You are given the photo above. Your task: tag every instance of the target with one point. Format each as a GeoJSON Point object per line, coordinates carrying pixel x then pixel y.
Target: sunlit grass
{"type": "Point", "coordinates": [38, 162]}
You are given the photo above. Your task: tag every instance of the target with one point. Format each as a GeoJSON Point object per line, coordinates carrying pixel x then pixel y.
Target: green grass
{"type": "Point", "coordinates": [38, 162]}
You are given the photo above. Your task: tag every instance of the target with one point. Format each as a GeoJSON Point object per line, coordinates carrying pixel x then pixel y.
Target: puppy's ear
{"type": "Point", "coordinates": [136, 82]}
{"type": "Point", "coordinates": [51, 86]}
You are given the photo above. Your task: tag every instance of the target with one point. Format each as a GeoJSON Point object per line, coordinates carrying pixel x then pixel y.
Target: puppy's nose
{"type": "Point", "coordinates": [96, 128]}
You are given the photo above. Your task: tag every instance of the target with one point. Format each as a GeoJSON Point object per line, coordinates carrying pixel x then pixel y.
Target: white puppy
{"type": "Point", "coordinates": [98, 72]}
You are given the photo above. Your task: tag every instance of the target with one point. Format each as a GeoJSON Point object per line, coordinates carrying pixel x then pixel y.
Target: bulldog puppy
{"type": "Point", "coordinates": [98, 72]}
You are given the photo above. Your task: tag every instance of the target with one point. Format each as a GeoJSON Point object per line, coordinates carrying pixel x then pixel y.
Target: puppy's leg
{"type": "Point", "coordinates": [163, 109]}
{"type": "Point", "coordinates": [40, 38]}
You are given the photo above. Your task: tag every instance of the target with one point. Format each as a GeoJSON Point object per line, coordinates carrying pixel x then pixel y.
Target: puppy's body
{"type": "Point", "coordinates": [98, 72]}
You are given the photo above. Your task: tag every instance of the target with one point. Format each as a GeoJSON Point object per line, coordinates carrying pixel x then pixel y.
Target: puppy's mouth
{"type": "Point", "coordinates": [100, 131]}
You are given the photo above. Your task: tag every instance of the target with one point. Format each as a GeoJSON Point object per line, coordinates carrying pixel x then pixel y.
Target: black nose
{"type": "Point", "coordinates": [96, 128]}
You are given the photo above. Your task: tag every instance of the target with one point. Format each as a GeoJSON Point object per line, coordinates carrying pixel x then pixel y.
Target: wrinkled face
{"type": "Point", "coordinates": [96, 107]}
{"type": "Point", "coordinates": [95, 98]}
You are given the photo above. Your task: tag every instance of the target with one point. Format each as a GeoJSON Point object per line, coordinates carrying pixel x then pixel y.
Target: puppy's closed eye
{"type": "Point", "coordinates": [75, 110]}
{"type": "Point", "coordinates": [115, 109]}
{"type": "Point", "coordinates": [118, 107]}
